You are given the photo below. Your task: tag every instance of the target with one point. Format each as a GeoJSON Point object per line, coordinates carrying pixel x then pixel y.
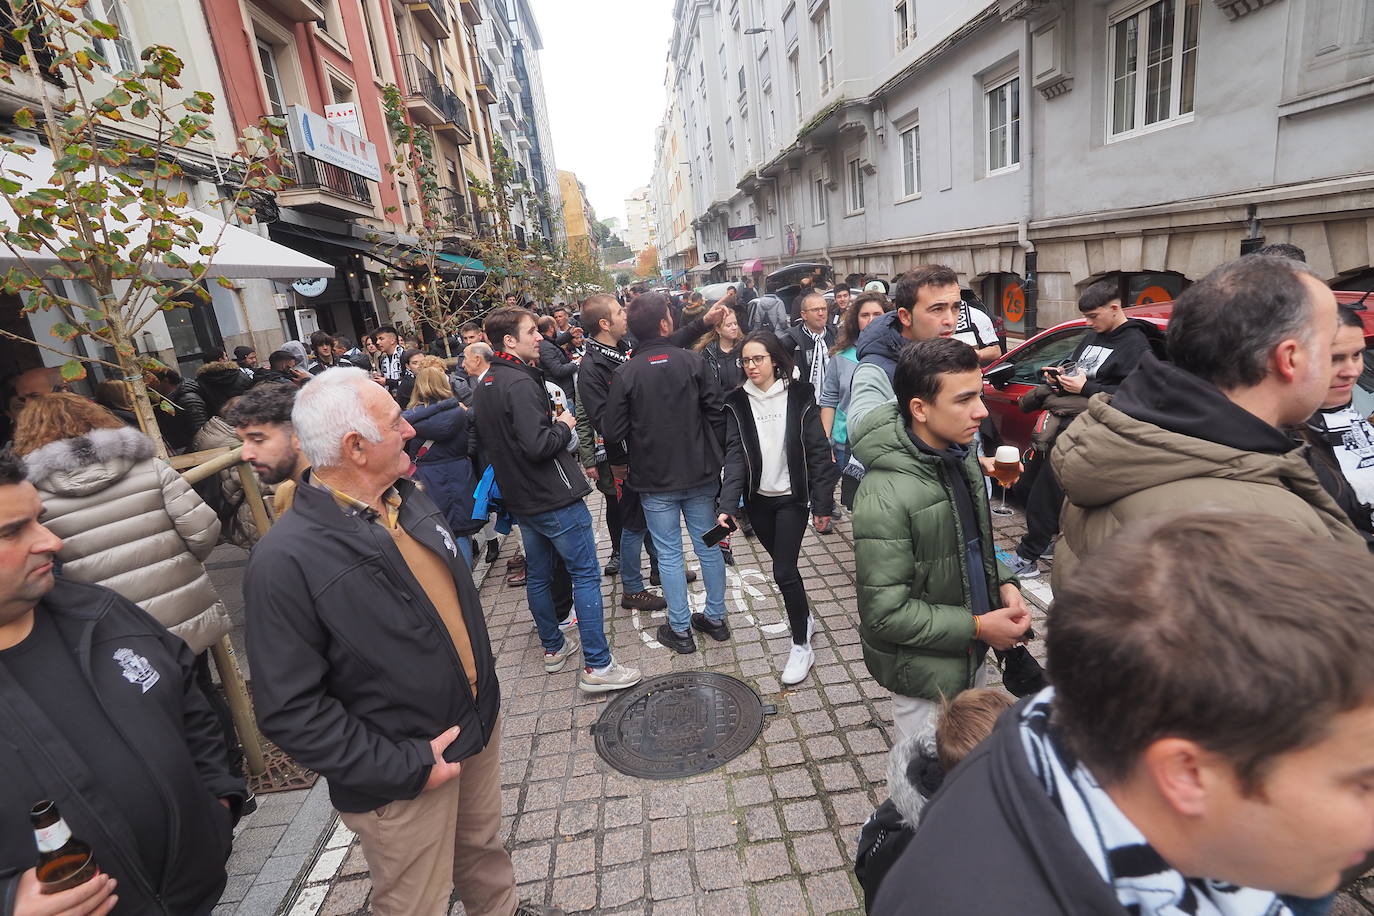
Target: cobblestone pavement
{"type": "Point", "coordinates": [772, 832]}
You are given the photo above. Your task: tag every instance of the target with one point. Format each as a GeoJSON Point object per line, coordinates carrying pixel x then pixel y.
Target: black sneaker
{"type": "Point", "coordinates": [493, 550]}
{"type": "Point", "coordinates": [612, 567]}
{"type": "Point", "coordinates": [717, 631]}
{"type": "Point", "coordinates": [682, 643]}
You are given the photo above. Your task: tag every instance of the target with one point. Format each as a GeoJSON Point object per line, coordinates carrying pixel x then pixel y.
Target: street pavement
{"type": "Point", "coordinates": [772, 832]}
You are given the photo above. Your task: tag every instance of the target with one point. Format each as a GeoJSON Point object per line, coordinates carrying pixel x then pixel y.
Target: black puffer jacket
{"type": "Point", "coordinates": [355, 672]}
{"type": "Point", "coordinates": [219, 382]}
{"type": "Point", "coordinates": [521, 440]}
{"type": "Point", "coordinates": [666, 405]}
{"type": "Point", "coordinates": [809, 465]}
{"type": "Point", "coordinates": [168, 726]}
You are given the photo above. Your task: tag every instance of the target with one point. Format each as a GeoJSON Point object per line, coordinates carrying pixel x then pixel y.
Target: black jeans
{"type": "Point", "coordinates": [233, 753]}
{"type": "Point", "coordinates": [780, 523]}
{"type": "Point", "coordinates": [1043, 505]}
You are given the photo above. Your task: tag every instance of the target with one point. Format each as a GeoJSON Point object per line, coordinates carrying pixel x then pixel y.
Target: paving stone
{"type": "Point", "coordinates": [824, 746]}
{"type": "Point", "coordinates": [575, 895]}
{"type": "Point", "coordinates": [831, 893]}
{"type": "Point", "coordinates": [669, 876]}
{"type": "Point", "coordinates": [542, 795]}
{"type": "Point", "coordinates": [585, 787]}
{"type": "Point", "coordinates": [536, 825]}
{"type": "Point", "coordinates": [766, 860]}
{"type": "Point", "coordinates": [621, 846]}
{"type": "Point", "coordinates": [621, 886]}
{"type": "Point", "coordinates": [577, 819]}
{"type": "Point", "coordinates": [667, 801]}
{"type": "Point", "coordinates": [866, 740]}
{"type": "Point", "coordinates": [785, 754]}
{"type": "Point", "coordinates": [730, 901]}
{"type": "Point", "coordinates": [806, 815]}
{"type": "Point", "coordinates": [668, 835]}
{"type": "Point", "coordinates": [532, 862]}
{"type": "Point", "coordinates": [623, 812]}
{"type": "Point", "coordinates": [718, 869]}
{"type": "Point", "coordinates": [576, 857]}
{"type": "Point", "coordinates": [837, 776]}
{"type": "Point", "coordinates": [346, 897]}
{"type": "Point", "coordinates": [793, 784]}
{"type": "Point", "coordinates": [236, 887]}
{"type": "Point", "coordinates": [780, 897]}
{"type": "Point", "coordinates": [850, 716]}
{"type": "Point", "coordinates": [751, 790]}
{"type": "Point", "coordinates": [874, 767]}
{"type": "Point", "coordinates": [747, 762]}
{"type": "Point", "coordinates": [818, 851]}
{"type": "Point", "coordinates": [851, 807]}
{"type": "Point", "coordinates": [715, 831]}
{"type": "Point", "coordinates": [762, 824]}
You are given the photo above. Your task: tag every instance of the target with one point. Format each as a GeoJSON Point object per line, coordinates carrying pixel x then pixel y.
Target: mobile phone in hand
{"type": "Point", "coordinates": [718, 533]}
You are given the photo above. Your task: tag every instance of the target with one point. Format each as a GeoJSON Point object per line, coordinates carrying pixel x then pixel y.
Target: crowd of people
{"type": "Point", "coordinates": [1206, 747]}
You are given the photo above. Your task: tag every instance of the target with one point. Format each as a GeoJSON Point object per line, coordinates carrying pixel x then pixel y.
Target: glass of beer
{"type": "Point", "coordinates": [1006, 470]}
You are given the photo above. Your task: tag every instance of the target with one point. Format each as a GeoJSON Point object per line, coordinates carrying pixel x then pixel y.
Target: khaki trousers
{"type": "Point", "coordinates": [419, 849]}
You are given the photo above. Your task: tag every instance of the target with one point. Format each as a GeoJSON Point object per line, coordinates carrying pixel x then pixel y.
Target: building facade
{"type": "Point", "coordinates": [640, 227]}
{"type": "Point", "coordinates": [577, 215]}
{"type": "Point", "coordinates": [1034, 146]}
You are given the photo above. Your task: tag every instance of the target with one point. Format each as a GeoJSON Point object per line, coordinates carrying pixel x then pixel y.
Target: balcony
{"type": "Point", "coordinates": [453, 212]}
{"type": "Point", "coordinates": [432, 14]}
{"type": "Point", "coordinates": [520, 237]}
{"type": "Point", "coordinates": [506, 115]}
{"type": "Point", "coordinates": [425, 95]}
{"type": "Point", "coordinates": [457, 125]}
{"type": "Point", "coordinates": [296, 10]}
{"type": "Point", "coordinates": [326, 190]}
{"type": "Point", "coordinates": [471, 11]}
{"type": "Point", "coordinates": [521, 174]}
{"type": "Point", "coordinates": [486, 84]}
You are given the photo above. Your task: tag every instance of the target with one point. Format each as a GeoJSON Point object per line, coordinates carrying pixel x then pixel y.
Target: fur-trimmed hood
{"type": "Point", "coordinates": [914, 773]}
{"type": "Point", "coordinates": [87, 464]}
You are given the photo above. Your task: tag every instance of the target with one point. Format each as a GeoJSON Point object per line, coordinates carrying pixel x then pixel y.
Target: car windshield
{"type": "Point", "coordinates": [1050, 350]}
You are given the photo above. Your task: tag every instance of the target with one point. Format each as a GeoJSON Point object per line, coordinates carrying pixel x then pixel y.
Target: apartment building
{"type": "Point", "coordinates": [1034, 146]}
{"type": "Point", "coordinates": [640, 228]}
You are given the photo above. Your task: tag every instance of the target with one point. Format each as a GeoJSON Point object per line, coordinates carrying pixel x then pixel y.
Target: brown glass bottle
{"type": "Point", "coordinates": [63, 861]}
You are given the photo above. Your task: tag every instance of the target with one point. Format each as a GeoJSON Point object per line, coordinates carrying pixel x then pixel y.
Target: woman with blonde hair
{"type": "Point", "coordinates": [721, 348]}
{"type": "Point", "coordinates": [439, 451]}
{"type": "Point", "coordinates": [127, 520]}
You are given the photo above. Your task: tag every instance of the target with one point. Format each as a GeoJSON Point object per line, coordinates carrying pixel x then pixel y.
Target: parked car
{"type": "Point", "coordinates": [713, 291]}
{"type": "Point", "coordinates": [1018, 371]}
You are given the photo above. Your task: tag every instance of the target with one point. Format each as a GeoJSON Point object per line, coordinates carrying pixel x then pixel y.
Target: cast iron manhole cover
{"type": "Point", "coordinates": [679, 725]}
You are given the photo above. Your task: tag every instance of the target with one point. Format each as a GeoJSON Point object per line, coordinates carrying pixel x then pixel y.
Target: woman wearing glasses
{"type": "Point", "coordinates": [1342, 438]}
{"type": "Point", "coordinates": [777, 461]}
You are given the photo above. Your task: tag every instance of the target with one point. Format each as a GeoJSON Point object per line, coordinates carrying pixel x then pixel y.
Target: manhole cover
{"type": "Point", "coordinates": [679, 725]}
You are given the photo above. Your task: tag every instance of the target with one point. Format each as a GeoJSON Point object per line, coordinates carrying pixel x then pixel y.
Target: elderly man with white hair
{"type": "Point", "coordinates": [371, 660]}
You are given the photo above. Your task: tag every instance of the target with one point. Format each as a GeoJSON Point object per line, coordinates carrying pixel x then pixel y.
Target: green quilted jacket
{"type": "Point", "coordinates": [914, 617]}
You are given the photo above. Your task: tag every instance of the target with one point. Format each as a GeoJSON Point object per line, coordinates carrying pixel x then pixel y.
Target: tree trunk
{"type": "Point", "coordinates": [143, 407]}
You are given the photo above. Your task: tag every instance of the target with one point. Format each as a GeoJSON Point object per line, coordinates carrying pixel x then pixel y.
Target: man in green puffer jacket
{"type": "Point", "coordinates": [932, 596]}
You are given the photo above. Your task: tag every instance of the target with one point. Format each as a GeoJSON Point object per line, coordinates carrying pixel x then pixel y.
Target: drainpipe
{"type": "Point", "coordinates": [1031, 286]}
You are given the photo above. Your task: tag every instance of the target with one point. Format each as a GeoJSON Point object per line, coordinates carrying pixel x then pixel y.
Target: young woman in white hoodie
{"type": "Point", "coordinates": [778, 461]}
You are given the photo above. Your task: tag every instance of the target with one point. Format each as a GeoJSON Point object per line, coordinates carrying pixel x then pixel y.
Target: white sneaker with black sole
{"type": "Point", "coordinates": [800, 658]}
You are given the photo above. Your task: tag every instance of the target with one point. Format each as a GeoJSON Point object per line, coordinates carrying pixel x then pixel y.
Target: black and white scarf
{"type": "Point", "coordinates": [611, 353]}
{"type": "Point", "coordinates": [1144, 883]}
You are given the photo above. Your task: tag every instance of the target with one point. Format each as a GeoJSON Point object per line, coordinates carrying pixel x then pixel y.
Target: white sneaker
{"type": "Point", "coordinates": [570, 624]}
{"type": "Point", "coordinates": [614, 676]}
{"type": "Point", "coordinates": [798, 664]}
{"type": "Point", "coordinates": [554, 661]}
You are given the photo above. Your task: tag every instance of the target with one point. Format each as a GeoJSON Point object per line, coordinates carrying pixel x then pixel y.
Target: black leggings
{"type": "Point", "coordinates": [780, 523]}
{"type": "Point", "coordinates": [1044, 503]}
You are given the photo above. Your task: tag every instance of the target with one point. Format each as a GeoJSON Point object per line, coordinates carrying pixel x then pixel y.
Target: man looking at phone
{"type": "Point", "coordinates": [1108, 353]}
{"type": "Point", "coordinates": [932, 596]}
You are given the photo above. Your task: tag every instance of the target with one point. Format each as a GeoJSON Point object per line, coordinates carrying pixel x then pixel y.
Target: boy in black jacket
{"type": "Point", "coordinates": [100, 712]}
{"type": "Point", "coordinates": [1108, 353]}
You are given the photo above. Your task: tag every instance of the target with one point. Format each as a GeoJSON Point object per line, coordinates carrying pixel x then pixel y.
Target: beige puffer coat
{"type": "Point", "coordinates": [130, 523]}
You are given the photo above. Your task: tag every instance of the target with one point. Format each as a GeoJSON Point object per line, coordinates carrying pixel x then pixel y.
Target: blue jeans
{"type": "Point", "coordinates": [566, 532]}
{"type": "Point", "coordinates": [631, 572]}
{"type": "Point", "coordinates": [697, 508]}
{"type": "Point", "coordinates": [464, 545]}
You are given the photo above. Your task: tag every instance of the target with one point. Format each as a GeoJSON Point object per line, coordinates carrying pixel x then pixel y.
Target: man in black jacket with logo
{"type": "Point", "coordinates": [809, 343]}
{"type": "Point", "coordinates": [531, 451]}
{"type": "Point", "coordinates": [371, 658]}
{"type": "Point", "coordinates": [667, 407]}
{"type": "Point", "coordinates": [100, 713]}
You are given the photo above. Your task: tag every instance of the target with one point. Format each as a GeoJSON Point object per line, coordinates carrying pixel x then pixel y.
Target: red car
{"type": "Point", "coordinates": [1003, 387]}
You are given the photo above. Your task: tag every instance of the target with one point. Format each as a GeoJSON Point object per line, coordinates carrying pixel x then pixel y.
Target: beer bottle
{"type": "Point", "coordinates": [63, 861]}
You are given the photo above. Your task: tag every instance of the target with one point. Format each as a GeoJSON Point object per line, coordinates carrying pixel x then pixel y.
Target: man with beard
{"type": "Point", "coordinates": [262, 419]}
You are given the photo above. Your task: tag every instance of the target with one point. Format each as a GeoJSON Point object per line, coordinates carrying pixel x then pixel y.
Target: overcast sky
{"type": "Point", "coordinates": [603, 64]}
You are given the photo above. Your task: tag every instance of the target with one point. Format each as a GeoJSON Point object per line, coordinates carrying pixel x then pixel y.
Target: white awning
{"type": "Point", "coordinates": [242, 254]}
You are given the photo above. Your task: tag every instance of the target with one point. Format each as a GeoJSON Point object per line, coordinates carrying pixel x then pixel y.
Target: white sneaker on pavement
{"type": "Point", "coordinates": [614, 676]}
{"type": "Point", "coordinates": [554, 661]}
{"type": "Point", "coordinates": [570, 624]}
{"type": "Point", "coordinates": [798, 664]}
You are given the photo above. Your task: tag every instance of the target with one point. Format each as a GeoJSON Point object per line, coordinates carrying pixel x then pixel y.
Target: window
{"type": "Point", "coordinates": [1004, 125]}
{"type": "Point", "coordinates": [765, 70]}
{"type": "Point", "coordinates": [795, 70]}
{"type": "Point", "coordinates": [818, 207]}
{"type": "Point", "coordinates": [271, 78]}
{"type": "Point", "coordinates": [372, 38]}
{"type": "Point", "coordinates": [854, 182]}
{"type": "Point", "coordinates": [118, 52]}
{"type": "Point", "coordinates": [911, 161]}
{"type": "Point", "coordinates": [730, 133]}
{"type": "Point", "coordinates": [1153, 65]}
{"type": "Point", "coordinates": [741, 81]}
{"type": "Point", "coordinates": [770, 123]}
{"type": "Point", "coordinates": [825, 50]}
{"type": "Point", "coordinates": [902, 24]}
{"type": "Point", "coordinates": [789, 28]}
